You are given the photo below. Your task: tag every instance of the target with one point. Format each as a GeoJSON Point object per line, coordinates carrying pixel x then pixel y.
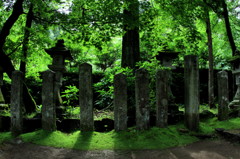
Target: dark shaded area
{"type": "Point", "coordinates": [4, 123]}
{"type": "Point", "coordinates": [177, 85]}
{"type": "Point", "coordinates": [230, 135]}
{"type": "Point", "coordinates": [70, 125]}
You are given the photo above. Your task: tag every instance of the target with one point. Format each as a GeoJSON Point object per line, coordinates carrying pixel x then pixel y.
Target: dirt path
{"type": "Point", "coordinates": [219, 149]}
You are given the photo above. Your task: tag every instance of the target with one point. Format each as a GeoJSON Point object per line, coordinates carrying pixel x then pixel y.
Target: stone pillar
{"type": "Point", "coordinates": [2, 101]}
{"type": "Point", "coordinates": [191, 98]}
{"type": "Point", "coordinates": [162, 92]}
{"type": "Point", "coordinates": [120, 102]}
{"type": "Point", "coordinates": [223, 96]}
{"type": "Point", "coordinates": [86, 97]}
{"type": "Point", "coordinates": [142, 99]}
{"type": "Point", "coordinates": [57, 87]}
{"type": "Point", "coordinates": [17, 103]}
{"type": "Point", "coordinates": [48, 101]}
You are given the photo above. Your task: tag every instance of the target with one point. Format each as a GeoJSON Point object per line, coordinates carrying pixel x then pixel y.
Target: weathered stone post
{"type": "Point", "coordinates": [223, 96]}
{"type": "Point", "coordinates": [2, 101]}
{"type": "Point", "coordinates": [162, 87]}
{"type": "Point", "coordinates": [86, 97]}
{"type": "Point", "coordinates": [191, 99]}
{"type": "Point", "coordinates": [48, 101]}
{"type": "Point", "coordinates": [17, 103]}
{"type": "Point", "coordinates": [120, 102]}
{"type": "Point", "coordinates": [142, 99]}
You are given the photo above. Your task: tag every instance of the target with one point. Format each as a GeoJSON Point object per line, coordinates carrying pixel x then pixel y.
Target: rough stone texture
{"type": "Point", "coordinates": [57, 87]}
{"type": "Point", "coordinates": [142, 99]}
{"type": "Point", "coordinates": [191, 98]}
{"type": "Point", "coordinates": [17, 103]}
{"type": "Point", "coordinates": [120, 102]}
{"type": "Point", "coordinates": [2, 101]}
{"type": "Point", "coordinates": [86, 97]}
{"type": "Point", "coordinates": [223, 95]}
{"type": "Point", "coordinates": [162, 91]}
{"type": "Point", "coordinates": [48, 101]}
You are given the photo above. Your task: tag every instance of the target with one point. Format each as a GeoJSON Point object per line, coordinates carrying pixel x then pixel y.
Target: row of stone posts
{"type": "Point", "coordinates": [191, 79]}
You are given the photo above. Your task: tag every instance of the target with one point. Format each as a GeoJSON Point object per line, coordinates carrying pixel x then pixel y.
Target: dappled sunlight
{"type": "Point", "coordinates": [83, 140]}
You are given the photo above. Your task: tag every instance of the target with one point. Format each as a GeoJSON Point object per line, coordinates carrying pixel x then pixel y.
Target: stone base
{"type": "Point", "coordinates": [235, 106]}
{"type": "Point", "coordinates": [231, 135]}
{"type": "Point", "coordinates": [235, 103]}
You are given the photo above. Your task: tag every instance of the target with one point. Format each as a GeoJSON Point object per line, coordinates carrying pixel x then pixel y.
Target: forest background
{"type": "Point", "coordinates": [117, 35]}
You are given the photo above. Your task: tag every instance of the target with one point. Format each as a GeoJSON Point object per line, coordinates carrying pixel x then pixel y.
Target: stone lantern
{"type": "Point", "coordinates": [58, 53]}
{"type": "Point", "coordinates": [236, 72]}
{"type": "Point", "coordinates": [166, 58]}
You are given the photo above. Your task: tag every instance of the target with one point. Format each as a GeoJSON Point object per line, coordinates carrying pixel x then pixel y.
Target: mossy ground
{"type": "Point", "coordinates": [209, 125]}
{"type": "Point", "coordinates": [4, 136]}
{"type": "Point", "coordinates": [155, 138]}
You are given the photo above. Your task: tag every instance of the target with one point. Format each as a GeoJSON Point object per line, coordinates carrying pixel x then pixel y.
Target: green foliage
{"type": "Point", "coordinates": [70, 101]}
{"type": "Point", "coordinates": [92, 30]}
{"type": "Point", "coordinates": [105, 86]}
{"type": "Point", "coordinates": [152, 66]}
{"type": "Point", "coordinates": [72, 112]}
{"type": "Point", "coordinates": [70, 95]}
{"type": "Point", "coordinates": [4, 110]}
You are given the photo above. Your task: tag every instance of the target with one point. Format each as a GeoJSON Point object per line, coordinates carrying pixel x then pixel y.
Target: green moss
{"type": "Point", "coordinates": [209, 125]}
{"type": "Point", "coordinates": [155, 138]}
{"type": "Point", "coordinates": [4, 136]}
{"type": "Point", "coordinates": [201, 108]}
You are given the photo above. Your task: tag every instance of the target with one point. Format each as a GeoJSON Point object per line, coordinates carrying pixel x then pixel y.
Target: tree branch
{"type": "Point", "coordinates": [17, 11]}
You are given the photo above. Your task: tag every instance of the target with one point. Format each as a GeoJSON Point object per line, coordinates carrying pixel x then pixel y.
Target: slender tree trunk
{"type": "Point", "coordinates": [228, 28]}
{"type": "Point", "coordinates": [211, 61]}
{"type": "Point", "coordinates": [26, 40]}
{"type": "Point", "coordinates": [5, 61]}
{"type": "Point", "coordinates": [130, 42]}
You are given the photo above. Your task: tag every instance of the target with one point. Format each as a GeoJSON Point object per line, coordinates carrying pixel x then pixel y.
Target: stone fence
{"type": "Point", "coordinates": [142, 91]}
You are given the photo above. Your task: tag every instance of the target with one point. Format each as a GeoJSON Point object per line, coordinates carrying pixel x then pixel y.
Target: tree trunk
{"type": "Point", "coordinates": [26, 40]}
{"type": "Point", "coordinates": [130, 40]}
{"type": "Point", "coordinates": [5, 61]}
{"type": "Point", "coordinates": [211, 61]}
{"type": "Point", "coordinates": [228, 28]}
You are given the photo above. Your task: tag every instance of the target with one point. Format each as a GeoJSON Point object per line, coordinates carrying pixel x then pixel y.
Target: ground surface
{"type": "Point", "coordinates": [217, 149]}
